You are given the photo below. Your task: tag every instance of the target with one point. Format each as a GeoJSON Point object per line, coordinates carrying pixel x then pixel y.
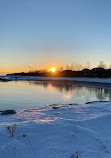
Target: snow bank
{"type": "Point", "coordinates": [49, 132]}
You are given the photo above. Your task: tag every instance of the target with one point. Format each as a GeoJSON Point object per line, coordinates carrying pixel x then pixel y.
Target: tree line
{"type": "Point", "coordinates": [95, 72]}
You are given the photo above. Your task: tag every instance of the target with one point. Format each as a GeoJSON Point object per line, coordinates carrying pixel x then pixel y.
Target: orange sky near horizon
{"type": "Point", "coordinates": [7, 69]}
{"type": "Point", "coordinates": [18, 67]}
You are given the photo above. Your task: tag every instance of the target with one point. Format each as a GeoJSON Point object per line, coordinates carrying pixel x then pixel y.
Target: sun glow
{"type": "Point", "coordinates": [53, 69]}
{"type": "Point", "coordinates": [67, 96]}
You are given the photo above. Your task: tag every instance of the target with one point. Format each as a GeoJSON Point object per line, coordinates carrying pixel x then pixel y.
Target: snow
{"type": "Point", "coordinates": [49, 132]}
{"type": "Point", "coordinates": [79, 79]}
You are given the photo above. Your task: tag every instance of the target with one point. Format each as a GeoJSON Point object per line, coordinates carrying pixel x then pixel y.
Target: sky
{"type": "Point", "coordinates": [39, 34]}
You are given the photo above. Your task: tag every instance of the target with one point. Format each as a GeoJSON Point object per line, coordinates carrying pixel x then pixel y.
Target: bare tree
{"type": "Point", "coordinates": [102, 65]}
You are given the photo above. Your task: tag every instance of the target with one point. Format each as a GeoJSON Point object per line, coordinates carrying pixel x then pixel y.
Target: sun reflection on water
{"type": "Point", "coordinates": [67, 96]}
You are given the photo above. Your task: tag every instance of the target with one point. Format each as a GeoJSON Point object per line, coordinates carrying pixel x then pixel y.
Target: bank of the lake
{"type": "Point", "coordinates": [71, 79]}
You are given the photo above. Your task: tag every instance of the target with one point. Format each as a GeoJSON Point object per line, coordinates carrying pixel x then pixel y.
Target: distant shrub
{"type": "Point", "coordinates": [11, 129]}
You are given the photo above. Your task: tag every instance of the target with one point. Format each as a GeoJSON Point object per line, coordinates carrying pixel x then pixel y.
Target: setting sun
{"type": "Point", "coordinates": [53, 69]}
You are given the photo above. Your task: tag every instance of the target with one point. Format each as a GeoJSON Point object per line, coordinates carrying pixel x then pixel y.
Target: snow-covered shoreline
{"type": "Point", "coordinates": [58, 131]}
{"type": "Point", "coordinates": [70, 79]}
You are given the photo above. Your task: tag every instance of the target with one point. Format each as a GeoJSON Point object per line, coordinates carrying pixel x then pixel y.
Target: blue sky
{"type": "Point", "coordinates": [45, 33]}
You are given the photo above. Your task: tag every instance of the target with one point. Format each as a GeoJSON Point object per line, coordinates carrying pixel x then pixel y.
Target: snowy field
{"type": "Point", "coordinates": [58, 131]}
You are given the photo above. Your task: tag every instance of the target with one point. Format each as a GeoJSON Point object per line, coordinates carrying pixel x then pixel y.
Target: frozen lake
{"type": "Point", "coordinates": [33, 94]}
